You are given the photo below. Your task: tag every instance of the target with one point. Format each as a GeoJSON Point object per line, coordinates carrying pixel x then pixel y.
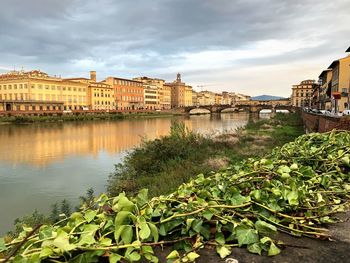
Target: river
{"type": "Point", "coordinates": [41, 164]}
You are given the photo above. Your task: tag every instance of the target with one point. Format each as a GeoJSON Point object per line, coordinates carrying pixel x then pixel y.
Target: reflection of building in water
{"type": "Point", "coordinates": [40, 145]}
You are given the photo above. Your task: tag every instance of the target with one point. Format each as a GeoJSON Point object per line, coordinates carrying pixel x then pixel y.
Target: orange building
{"type": "Point", "coordinates": [128, 94]}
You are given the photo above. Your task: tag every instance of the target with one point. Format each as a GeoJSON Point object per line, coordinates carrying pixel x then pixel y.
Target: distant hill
{"type": "Point", "coordinates": [266, 97]}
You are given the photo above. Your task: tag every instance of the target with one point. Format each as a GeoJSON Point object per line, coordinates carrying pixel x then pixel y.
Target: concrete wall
{"type": "Point", "coordinates": [320, 123]}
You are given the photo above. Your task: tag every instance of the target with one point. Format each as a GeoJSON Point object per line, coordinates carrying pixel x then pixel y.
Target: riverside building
{"type": "Point", "coordinates": [181, 95]}
{"type": "Point", "coordinates": [341, 82]}
{"type": "Point", "coordinates": [153, 92]}
{"type": "Point", "coordinates": [100, 94]}
{"type": "Point", "coordinates": [128, 94]}
{"type": "Point", "coordinates": [302, 93]}
{"type": "Point", "coordinates": [37, 91]}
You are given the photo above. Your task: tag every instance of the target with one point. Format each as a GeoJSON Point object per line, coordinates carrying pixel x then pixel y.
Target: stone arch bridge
{"type": "Point", "coordinates": [249, 106]}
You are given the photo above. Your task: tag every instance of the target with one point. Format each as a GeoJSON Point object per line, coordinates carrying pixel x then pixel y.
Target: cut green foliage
{"type": "Point", "coordinates": [244, 205]}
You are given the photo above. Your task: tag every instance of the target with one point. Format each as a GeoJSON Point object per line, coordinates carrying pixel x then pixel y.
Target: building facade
{"type": "Point", "coordinates": [37, 91]}
{"type": "Point", "coordinates": [100, 95]}
{"type": "Point", "coordinates": [128, 94]}
{"type": "Point", "coordinates": [218, 99]}
{"type": "Point", "coordinates": [154, 93]}
{"type": "Point", "coordinates": [165, 97]}
{"type": "Point", "coordinates": [206, 98]}
{"type": "Point", "coordinates": [325, 90]}
{"type": "Point", "coordinates": [341, 82]}
{"type": "Point", "coordinates": [177, 92]}
{"type": "Point", "coordinates": [302, 93]}
{"type": "Point", "coordinates": [188, 100]}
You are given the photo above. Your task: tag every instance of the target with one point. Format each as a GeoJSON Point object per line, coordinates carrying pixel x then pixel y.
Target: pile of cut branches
{"type": "Point", "coordinates": [296, 189]}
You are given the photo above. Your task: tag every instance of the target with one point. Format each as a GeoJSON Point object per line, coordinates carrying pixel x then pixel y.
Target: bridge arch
{"type": "Point", "coordinates": [199, 110]}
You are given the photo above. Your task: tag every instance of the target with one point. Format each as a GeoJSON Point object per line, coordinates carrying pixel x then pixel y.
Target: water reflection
{"type": "Point", "coordinates": [39, 145]}
{"type": "Point", "coordinates": [43, 163]}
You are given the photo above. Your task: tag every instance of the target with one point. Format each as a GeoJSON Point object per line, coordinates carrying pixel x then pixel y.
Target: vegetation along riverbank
{"type": "Point", "coordinates": [163, 164]}
{"type": "Point", "coordinates": [296, 189]}
{"type": "Point", "coordinates": [80, 117]}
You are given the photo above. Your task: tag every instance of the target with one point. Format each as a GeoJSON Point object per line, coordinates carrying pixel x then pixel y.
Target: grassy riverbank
{"type": "Point", "coordinates": [81, 117]}
{"type": "Point", "coordinates": [295, 190]}
{"type": "Point", "coordinates": [163, 164]}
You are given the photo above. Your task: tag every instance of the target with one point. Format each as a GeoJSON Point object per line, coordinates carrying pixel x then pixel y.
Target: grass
{"type": "Point", "coordinates": [163, 164]}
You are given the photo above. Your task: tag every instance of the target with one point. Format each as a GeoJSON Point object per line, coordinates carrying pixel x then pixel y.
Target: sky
{"type": "Point", "coordinates": [248, 46]}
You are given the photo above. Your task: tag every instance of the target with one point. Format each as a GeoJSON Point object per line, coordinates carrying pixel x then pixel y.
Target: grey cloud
{"type": "Point", "coordinates": [54, 34]}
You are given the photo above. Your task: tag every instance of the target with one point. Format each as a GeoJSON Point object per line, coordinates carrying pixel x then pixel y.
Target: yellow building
{"type": "Point", "coordinates": [302, 93]}
{"type": "Point", "coordinates": [37, 91]}
{"type": "Point", "coordinates": [153, 92]}
{"type": "Point", "coordinates": [341, 82]}
{"type": "Point", "coordinates": [218, 99]}
{"type": "Point", "coordinates": [206, 98]}
{"type": "Point", "coordinates": [188, 96]}
{"type": "Point", "coordinates": [100, 94]}
{"type": "Point", "coordinates": [165, 97]}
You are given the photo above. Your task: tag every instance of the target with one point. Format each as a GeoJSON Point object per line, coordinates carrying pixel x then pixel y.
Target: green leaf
{"type": "Point", "coordinates": [142, 197]}
{"type": "Point", "coordinates": [45, 232]}
{"type": "Point", "coordinates": [246, 235]}
{"type": "Point", "coordinates": [197, 225]}
{"type": "Point", "coordinates": [105, 241]}
{"type": "Point", "coordinates": [207, 214]}
{"type": "Point", "coordinates": [273, 250]}
{"type": "Point", "coordinates": [62, 241]}
{"type": "Point", "coordinates": [145, 231]}
{"type": "Point", "coordinates": [118, 232]}
{"type": "Point", "coordinates": [223, 251]}
{"type": "Point", "coordinates": [293, 197]}
{"type": "Point", "coordinates": [192, 256]}
{"type": "Point", "coordinates": [127, 235]}
{"type": "Point", "coordinates": [114, 258]}
{"type": "Point", "coordinates": [265, 228]}
{"type": "Point", "coordinates": [255, 248]}
{"type": "Point", "coordinates": [86, 239]}
{"type": "Point", "coordinates": [45, 252]}
{"type": "Point", "coordinates": [122, 218]}
{"type": "Point", "coordinates": [147, 250]}
{"type": "Point", "coordinates": [90, 215]}
{"type": "Point", "coordinates": [123, 204]}
{"type": "Point", "coordinates": [154, 231]}
{"type": "Point", "coordinates": [134, 256]}
{"type": "Point", "coordinates": [220, 239]}
{"type": "Point", "coordinates": [173, 254]}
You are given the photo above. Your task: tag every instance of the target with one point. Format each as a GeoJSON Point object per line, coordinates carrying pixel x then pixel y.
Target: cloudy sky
{"type": "Point", "coordinates": [248, 46]}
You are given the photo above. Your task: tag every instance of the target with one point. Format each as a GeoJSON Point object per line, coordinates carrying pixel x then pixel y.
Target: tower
{"type": "Point", "coordinates": [93, 75]}
{"type": "Point", "coordinates": [178, 77]}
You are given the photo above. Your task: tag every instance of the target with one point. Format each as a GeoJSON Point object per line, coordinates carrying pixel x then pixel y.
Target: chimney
{"type": "Point", "coordinates": [93, 75]}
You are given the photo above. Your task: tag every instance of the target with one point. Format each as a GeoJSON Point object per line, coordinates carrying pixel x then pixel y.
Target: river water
{"type": "Point", "coordinates": [41, 164]}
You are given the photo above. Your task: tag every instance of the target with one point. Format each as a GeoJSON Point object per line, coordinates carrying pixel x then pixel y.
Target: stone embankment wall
{"type": "Point", "coordinates": [321, 123]}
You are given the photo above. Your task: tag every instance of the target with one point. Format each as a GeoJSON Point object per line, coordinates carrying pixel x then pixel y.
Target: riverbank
{"type": "Point", "coordinates": [296, 190]}
{"type": "Point", "coordinates": [163, 164]}
{"type": "Point", "coordinates": [71, 117]}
